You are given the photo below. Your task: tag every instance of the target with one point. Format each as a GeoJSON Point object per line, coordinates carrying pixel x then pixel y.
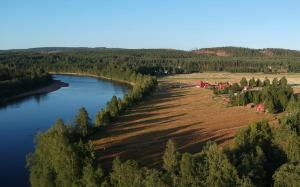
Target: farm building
{"type": "Point", "coordinates": [220, 86]}
{"type": "Point", "coordinates": [260, 107]}
{"type": "Point", "coordinates": [203, 84]}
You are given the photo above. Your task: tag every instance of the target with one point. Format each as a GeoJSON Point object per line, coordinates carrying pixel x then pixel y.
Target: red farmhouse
{"type": "Point", "coordinates": [260, 107]}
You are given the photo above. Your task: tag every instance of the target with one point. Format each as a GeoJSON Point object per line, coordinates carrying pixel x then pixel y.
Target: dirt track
{"type": "Point", "coordinates": [188, 115]}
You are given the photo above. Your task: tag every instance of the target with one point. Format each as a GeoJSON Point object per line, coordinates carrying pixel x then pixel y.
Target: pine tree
{"type": "Point", "coordinates": [244, 82]}
{"type": "Point", "coordinates": [91, 177]}
{"type": "Point", "coordinates": [171, 157]}
{"type": "Point", "coordinates": [252, 82]}
{"type": "Point", "coordinates": [187, 172]}
{"type": "Point", "coordinates": [82, 122]}
{"type": "Point", "coordinates": [287, 175]}
{"type": "Point", "coordinates": [126, 174]}
{"type": "Point", "coordinates": [283, 81]}
{"type": "Point", "coordinates": [266, 82]}
{"type": "Point", "coordinates": [259, 83]}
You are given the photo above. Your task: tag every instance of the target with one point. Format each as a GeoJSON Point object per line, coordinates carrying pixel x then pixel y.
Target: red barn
{"type": "Point", "coordinates": [260, 107]}
{"type": "Point", "coordinates": [203, 84]}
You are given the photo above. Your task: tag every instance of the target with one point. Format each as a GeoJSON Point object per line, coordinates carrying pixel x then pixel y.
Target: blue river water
{"type": "Point", "coordinates": [21, 120]}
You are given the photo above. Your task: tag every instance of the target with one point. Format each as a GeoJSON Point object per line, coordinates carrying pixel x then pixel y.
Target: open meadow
{"type": "Point", "coordinates": [189, 115]}
{"type": "Point", "coordinates": [293, 78]}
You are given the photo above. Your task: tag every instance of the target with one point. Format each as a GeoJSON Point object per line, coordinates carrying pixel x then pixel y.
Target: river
{"type": "Point", "coordinates": [21, 120]}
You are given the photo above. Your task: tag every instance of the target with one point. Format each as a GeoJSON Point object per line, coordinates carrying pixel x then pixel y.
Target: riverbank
{"type": "Point", "coordinates": [93, 75]}
{"type": "Point", "coordinates": [55, 85]}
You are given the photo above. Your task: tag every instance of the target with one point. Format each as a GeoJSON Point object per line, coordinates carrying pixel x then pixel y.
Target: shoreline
{"type": "Point", "coordinates": [92, 75]}
{"type": "Point", "coordinates": [55, 85]}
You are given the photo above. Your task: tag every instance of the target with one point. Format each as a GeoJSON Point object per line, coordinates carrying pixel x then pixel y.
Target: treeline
{"type": "Point", "coordinates": [157, 61]}
{"type": "Point", "coordinates": [248, 52]}
{"type": "Point", "coordinates": [261, 156]}
{"type": "Point", "coordinates": [16, 81]}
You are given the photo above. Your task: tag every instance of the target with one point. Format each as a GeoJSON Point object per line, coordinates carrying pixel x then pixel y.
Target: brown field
{"type": "Point", "coordinates": [190, 116]}
{"type": "Point", "coordinates": [293, 78]}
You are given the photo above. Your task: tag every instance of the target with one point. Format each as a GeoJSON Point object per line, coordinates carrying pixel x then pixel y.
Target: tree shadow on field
{"type": "Point", "coordinates": [146, 130]}
{"type": "Point", "coordinates": [148, 148]}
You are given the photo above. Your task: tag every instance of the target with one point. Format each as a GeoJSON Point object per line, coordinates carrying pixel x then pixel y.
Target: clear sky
{"type": "Point", "coordinates": [180, 24]}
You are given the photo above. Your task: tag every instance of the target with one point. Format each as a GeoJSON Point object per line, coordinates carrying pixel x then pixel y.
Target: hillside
{"type": "Point", "coordinates": [247, 52]}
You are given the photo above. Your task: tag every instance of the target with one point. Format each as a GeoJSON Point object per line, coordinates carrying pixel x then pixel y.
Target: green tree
{"type": "Point", "coordinates": [289, 142]}
{"type": "Point", "coordinates": [266, 82]}
{"type": "Point", "coordinates": [187, 171]}
{"type": "Point", "coordinates": [171, 157]}
{"type": "Point", "coordinates": [244, 82]}
{"type": "Point", "coordinates": [91, 177]}
{"type": "Point", "coordinates": [283, 81]}
{"type": "Point", "coordinates": [217, 169]}
{"type": "Point", "coordinates": [275, 82]}
{"type": "Point", "coordinates": [153, 178]}
{"type": "Point", "coordinates": [102, 118]}
{"type": "Point", "coordinates": [270, 106]}
{"type": "Point", "coordinates": [126, 174]}
{"type": "Point", "coordinates": [54, 162]}
{"type": "Point", "coordinates": [82, 122]}
{"type": "Point", "coordinates": [287, 175]}
{"type": "Point", "coordinates": [113, 107]}
{"type": "Point", "coordinates": [259, 83]}
{"type": "Point", "coordinates": [252, 82]}
{"type": "Point", "coordinates": [293, 105]}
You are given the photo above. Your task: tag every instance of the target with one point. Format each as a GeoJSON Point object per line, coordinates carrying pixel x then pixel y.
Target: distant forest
{"type": "Point", "coordinates": [157, 61]}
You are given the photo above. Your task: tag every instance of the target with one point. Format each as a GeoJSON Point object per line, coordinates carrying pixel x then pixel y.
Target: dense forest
{"type": "Point", "coordinates": [262, 155]}
{"type": "Point", "coordinates": [157, 61]}
{"type": "Point", "coordinates": [16, 81]}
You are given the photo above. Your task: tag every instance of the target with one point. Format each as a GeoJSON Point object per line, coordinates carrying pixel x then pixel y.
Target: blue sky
{"type": "Point", "coordinates": [184, 24]}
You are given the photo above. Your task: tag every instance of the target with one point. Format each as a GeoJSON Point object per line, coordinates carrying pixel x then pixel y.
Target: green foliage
{"type": "Point", "coordinates": [293, 105]}
{"type": "Point", "coordinates": [102, 118]}
{"type": "Point", "coordinates": [266, 82]}
{"type": "Point", "coordinates": [113, 107]}
{"type": "Point", "coordinates": [244, 82]}
{"type": "Point", "coordinates": [82, 122]}
{"type": "Point", "coordinates": [287, 175]}
{"type": "Point", "coordinates": [171, 157]}
{"type": "Point", "coordinates": [288, 141]}
{"type": "Point", "coordinates": [252, 82]}
{"type": "Point", "coordinates": [292, 121]}
{"type": "Point", "coordinates": [215, 168]}
{"type": "Point", "coordinates": [258, 83]}
{"type": "Point", "coordinates": [59, 158]}
{"type": "Point", "coordinates": [253, 154]}
{"type": "Point", "coordinates": [126, 174]}
{"type": "Point", "coordinates": [91, 177]}
{"type": "Point", "coordinates": [187, 171]}
{"type": "Point", "coordinates": [257, 134]}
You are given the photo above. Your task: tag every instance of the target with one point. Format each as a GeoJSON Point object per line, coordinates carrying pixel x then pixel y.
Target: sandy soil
{"type": "Point", "coordinates": [190, 116]}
